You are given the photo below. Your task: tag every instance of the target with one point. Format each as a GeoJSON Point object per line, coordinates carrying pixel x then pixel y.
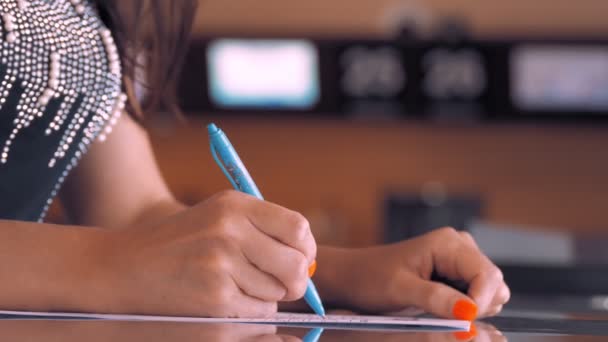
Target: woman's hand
{"type": "Point", "coordinates": [395, 277]}
{"type": "Point", "coordinates": [230, 256]}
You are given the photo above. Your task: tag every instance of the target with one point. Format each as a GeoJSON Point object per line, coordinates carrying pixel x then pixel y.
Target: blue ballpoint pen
{"type": "Point", "coordinates": [229, 162]}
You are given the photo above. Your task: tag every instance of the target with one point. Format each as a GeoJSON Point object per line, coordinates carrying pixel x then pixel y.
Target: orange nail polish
{"type": "Point", "coordinates": [465, 310]}
{"type": "Point", "coordinates": [312, 269]}
{"type": "Point", "coordinates": [466, 335]}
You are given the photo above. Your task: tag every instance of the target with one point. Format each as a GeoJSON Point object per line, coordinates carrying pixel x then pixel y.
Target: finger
{"type": "Point", "coordinates": [250, 307]}
{"type": "Point", "coordinates": [256, 283]}
{"type": "Point", "coordinates": [458, 259]}
{"type": "Point", "coordinates": [237, 304]}
{"type": "Point", "coordinates": [500, 298]}
{"type": "Point", "coordinates": [287, 226]}
{"type": "Point", "coordinates": [468, 238]}
{"type": "Point", "coordinates": [484, 286]}
{"type": "Point", "coordinates": [230, 302]}
{"type": "Point", "coordinates": [436, 298]}
{"type": "Point", "coordinates": [493, 310]}
{"type": "Point", "coordinates": [286, 264]}
{"type": "Point", "coordinates": [503, 295]}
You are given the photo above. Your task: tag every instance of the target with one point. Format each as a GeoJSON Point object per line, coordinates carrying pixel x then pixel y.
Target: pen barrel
{"type": "Point", "coordinates": [233, 165]}
{"type": "Point", "coordinates": [243, 179]}
{"type": "Point", "coordinates": [311, 297]}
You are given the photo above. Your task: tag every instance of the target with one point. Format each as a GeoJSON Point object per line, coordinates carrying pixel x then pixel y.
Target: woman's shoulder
{"type": "Point", "coordinates": [60, 89]}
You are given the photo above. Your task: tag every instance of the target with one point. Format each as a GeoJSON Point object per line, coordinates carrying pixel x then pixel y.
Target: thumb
{"type": "Point", "coordinates": [442, 300]}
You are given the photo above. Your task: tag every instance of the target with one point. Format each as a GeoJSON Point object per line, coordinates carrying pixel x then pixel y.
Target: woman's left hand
{"type": "Point", "coordinates": [395, 277]}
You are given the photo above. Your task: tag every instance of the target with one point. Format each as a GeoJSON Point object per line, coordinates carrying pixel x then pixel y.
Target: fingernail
{"type": "Point", "coordinates": [312, 269]}
{"type": "Point", "coordinates": [465, 310]}
{"type": "Point", "coordinates": [466, 335]}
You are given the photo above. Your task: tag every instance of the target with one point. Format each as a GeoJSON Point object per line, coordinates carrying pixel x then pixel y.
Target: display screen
{"type": "Point", "coordinates": [263, 73]}
{"type": "Point", "coordinates": [559, 78]}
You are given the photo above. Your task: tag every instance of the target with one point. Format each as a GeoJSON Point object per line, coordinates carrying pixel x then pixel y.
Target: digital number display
{"type": "Point", "coordinates": [372, 72]}
{"type": "Point", "coordinates": [514, 79]}
{"type": "Point", "coordinates": [453, 74]}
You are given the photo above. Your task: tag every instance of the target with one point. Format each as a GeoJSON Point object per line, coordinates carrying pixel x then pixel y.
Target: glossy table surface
{"type": "Point", "coordinates": [508, 327]}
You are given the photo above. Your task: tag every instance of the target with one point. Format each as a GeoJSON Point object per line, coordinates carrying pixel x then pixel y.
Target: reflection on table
{"type": "Point", "coordinates": [72, 331]}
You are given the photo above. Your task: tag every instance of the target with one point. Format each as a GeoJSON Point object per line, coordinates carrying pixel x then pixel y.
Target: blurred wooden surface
{"type": "Point", "coordinates": [485, 17]}
{"type": "Point", "coordinates": [551, 177]}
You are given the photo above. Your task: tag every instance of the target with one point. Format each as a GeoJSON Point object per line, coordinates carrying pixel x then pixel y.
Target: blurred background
{"type": "Point", "coordinates": [382, 119]}
{"type": "Point", "coordinates": [543, 173]}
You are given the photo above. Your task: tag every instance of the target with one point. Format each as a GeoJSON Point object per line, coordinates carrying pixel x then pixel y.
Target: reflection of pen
{"type": "Point", "coordinates": [313, 335]}
{"type": "Point", "coordinates": [228, 160]}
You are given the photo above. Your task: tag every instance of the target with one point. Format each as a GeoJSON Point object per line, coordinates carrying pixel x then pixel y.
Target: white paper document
{"type": "Point", "coordinates": [286, 319]}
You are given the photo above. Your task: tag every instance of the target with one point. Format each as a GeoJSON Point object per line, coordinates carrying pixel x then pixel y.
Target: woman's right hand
{"type": "Point", "coordinates": [230, 256]}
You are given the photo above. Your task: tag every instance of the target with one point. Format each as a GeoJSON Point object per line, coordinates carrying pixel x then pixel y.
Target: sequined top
{"type": "Point", "coordinates": [60, 90]}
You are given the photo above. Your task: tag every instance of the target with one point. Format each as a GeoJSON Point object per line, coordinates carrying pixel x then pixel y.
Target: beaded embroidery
{"type": "Point", "coordinates": [59, 51]}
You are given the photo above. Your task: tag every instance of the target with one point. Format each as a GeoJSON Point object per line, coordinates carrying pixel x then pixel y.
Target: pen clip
{"type": "Point", "coordinates": [220, 163]}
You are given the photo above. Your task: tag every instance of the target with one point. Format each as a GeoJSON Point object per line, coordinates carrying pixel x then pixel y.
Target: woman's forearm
{"type": "Point", "coordinates": [46, 267]}
{"type": "Point", "coordinates": [154, 212]}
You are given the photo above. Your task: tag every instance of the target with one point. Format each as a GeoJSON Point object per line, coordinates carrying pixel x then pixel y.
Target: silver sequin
{"type": "Point", "coordinates": [60, 51]}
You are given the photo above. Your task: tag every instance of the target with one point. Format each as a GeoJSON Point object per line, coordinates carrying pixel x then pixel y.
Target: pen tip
{"type": "Point", "coordinates": [212, 128]}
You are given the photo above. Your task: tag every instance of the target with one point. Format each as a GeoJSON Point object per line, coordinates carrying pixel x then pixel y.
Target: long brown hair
{"type": "Point", "coordinates": [158, 31]}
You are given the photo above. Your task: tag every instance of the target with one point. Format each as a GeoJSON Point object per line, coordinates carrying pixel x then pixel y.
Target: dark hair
{"type": "Point", "coordinates": [152, 37]}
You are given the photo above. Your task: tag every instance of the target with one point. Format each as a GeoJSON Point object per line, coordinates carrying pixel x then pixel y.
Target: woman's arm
{"type": "Point", "coordinates": [51, 266]}
{"type": "Point", "coordinates": [394, 277]}
{"type": "Point", "coordinates": [227, 256]}
{"type": "Point", "coordinates": [118, 183]}
{"type": "Point", "coordinates": [45, 267]}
